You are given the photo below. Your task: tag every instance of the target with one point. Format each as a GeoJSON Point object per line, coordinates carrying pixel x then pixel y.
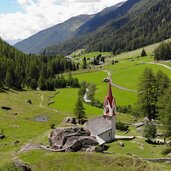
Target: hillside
{"type": "Point", "coordinates": [53, 35]}
{"type": "Point", "coordinates": [103, 17]}
{"type": "Point", "coordinates": [30, 123]}
{"type": "Point", "coordinates": [19, 70]}
{"type": "Point", "coordinates": [148, 21]}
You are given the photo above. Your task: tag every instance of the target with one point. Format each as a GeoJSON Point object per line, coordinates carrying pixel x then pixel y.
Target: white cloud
{"type": "Point", "coordinates": [40, 14]}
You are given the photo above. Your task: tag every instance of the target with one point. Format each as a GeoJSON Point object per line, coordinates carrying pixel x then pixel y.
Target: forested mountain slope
{"type": "Point", "coordinates": [148, 21]}
{"type": "Point", "coordinates": [18, 70]}
{"type": "Point", "coordinates": [103, 17]}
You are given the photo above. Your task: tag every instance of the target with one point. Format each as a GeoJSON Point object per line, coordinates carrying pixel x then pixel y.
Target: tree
{"type": "Point", "coordinates": [147, 94]}
{"type": "Point", "coordinates": [84, 63]}
{"type": "Point", "coordinates": [143, 53]}
{"type": "Point", "coordinates": [42, 83]}
{"type": "Point", "coordinates": [164, 111]}
{"type": "Point", "coordinates": [8, 79]}
{"type": "Point", "coordinates": [163, 51]}
{"type": "Point", "coordinates": [79, 110]}
{"type": "Point", "coordinates": [33, 84]}
{"type": "Point", "coordinates": [149, 131]}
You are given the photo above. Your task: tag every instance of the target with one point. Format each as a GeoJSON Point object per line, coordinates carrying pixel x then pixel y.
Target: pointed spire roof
{"type": "Point", "coordinates": [110, 91]}
{"type": "Point", "coordinates": [110, 96]}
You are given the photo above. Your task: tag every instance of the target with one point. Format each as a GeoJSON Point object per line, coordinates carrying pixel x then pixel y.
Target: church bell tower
{"type": "Point", "coordinates": [110, 109]}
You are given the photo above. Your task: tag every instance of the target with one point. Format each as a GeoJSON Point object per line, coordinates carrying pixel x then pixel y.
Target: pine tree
{"type": "Point", "coordinates": [84, 63]}
{"type": "Point", "coordinates": [42, 83]}
{"type": "Point", "coordinates": [149, 131]}
{"type": "Point", "coordinates": [33, 84]}
{"type": "Point", "coordinates": [164, 110]}
{"type": "Point", "coordinates": [79, 110]}
{"type": "Point", "coordinates": [143, 53]}
{"type": "Point", "coordinates": [147, 94]}
{"type": "Point", "coordinates": [9, 80]}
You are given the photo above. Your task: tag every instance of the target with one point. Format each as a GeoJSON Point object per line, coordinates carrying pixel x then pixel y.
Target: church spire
{"type": "Point", "coordinates": [109, 103]}
{"type": "Point", "coordinates": [110, 96]}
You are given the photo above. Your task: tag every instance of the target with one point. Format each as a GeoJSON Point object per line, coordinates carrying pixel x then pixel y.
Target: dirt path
{"type": "Point", "coordinates": [44, 107]}
{"type": "Point", "coordinates": [41, 102]}
{"type": "Point", "coordinates": [155, 63]}
{"type": "Point", "coordinates": [118, 86]}
{"type": "Point", "coordinates": [123, 88]}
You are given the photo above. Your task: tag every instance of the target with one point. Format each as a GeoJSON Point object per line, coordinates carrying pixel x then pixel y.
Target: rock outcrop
{"type": "Point", "coordinates": [21, 165]}
{"type": "Point", "coordinates": [71, 139]}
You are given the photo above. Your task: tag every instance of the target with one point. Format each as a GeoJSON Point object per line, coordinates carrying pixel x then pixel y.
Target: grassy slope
{"type": "Point", "coordinates": [24, 128]}
{"type": "Point", "coordinates": [43, 161]}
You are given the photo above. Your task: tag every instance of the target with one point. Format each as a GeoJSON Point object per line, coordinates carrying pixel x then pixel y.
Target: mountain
{"type": "Point", "coordinates": [53, 35]}
{"type": "Point", "coordinates": [138, 23]}
{"type": "Point", "coordinates": [101, 18]}
{"type": "Point", "coordinates": [13, 42]}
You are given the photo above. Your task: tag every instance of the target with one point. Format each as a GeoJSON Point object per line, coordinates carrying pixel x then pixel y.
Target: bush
{"type": "Point", "coordinates": [166, 151]}
{"type": "Point", "coordinates": [124, 109]}
{"type": "Point", "coordinates": [52, 126]}
{"type": "Point", "coordinates": [122, 126]}
{"type": "Point", "coordinates": [149, 131]}
{"type": "Point", "coordinates": [97, 103]}
{"type": "Point", "coordinates": [143, 53]}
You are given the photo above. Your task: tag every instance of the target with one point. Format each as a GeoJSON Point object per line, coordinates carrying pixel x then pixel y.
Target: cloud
{"type": "Point", "coordinates": [37, 15]}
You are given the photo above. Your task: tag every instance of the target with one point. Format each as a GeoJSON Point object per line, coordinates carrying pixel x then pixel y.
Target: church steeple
{"type": "Point", "coordinates": [109, 103]}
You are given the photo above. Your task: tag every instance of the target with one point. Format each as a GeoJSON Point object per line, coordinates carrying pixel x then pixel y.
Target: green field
{"type": "Point", "coordinates": [41, 160]}
{"type": "Point", "coordinates": [21, 124]}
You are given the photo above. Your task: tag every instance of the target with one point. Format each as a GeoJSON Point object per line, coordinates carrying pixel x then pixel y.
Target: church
{"type": "Point", "coordinates": [103, 127]}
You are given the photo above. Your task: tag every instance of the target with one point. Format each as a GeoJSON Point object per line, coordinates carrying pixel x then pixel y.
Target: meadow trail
{"type": "Point", "coordinates": [120, 87]}
{"type": "Point", "coordinates": [41, 102]}
{"type": "Point", "coordinates": [44, 107]}
{"type": "Point", "coordinates": [155, 63]}
{"type": "Point", "coordinates": [123, 88]}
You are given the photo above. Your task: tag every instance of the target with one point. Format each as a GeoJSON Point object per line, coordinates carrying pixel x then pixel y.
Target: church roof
{"type": "Point", "coordinates": [109, 97]}
{"type": "Point", "coordinates": [98, 126]}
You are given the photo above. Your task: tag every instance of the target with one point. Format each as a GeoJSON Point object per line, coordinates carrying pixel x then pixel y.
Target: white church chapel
{"type": "Point", "coordinates": [104, 127]}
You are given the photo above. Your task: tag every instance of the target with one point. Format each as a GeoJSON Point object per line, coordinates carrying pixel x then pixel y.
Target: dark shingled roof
{"type": "Point", "coordinates": [98, 126]}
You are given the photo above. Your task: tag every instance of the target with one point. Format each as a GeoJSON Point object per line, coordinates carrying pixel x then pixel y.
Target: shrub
{"type": "Point", "coordinates": [166, 151]}
{"type": "Point", "coordinates": [149, 131]}
{"type": "Point", "coordinates": [124, 109]}
{"type": "Point", "coordinates": [122, 126]}
{"type": "Point", "coordinates": [52, 126]}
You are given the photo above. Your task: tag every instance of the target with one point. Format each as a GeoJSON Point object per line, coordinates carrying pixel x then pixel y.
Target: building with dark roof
{"type": "Point", "coordinates": [103, 127]}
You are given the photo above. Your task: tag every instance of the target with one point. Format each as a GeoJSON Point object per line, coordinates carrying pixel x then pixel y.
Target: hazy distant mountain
{"type": "Point", "coordinates": [13, 42]}
{"type": "Point", "coordinates": [53, 35]}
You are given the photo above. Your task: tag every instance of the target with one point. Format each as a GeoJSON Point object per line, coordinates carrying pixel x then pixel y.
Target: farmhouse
{"type": "Point", "coordinates": [103, 127]}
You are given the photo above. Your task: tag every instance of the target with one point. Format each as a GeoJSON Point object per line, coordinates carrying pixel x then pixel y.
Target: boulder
{"type": "Point", "coordinates": [5, 108]}
{"type": "Point", "coordinates": [29, 101]}
{"type": "Point", "coordinates": [71, 139]}
{"type": "Point", "coordinates": [21, 165]}
{"type": "Point", "coordinates": [69, 120]}
{"type": "Point", "coordinates": [2, 136]}
{"type": "Point", "coordinates": [139, 124]}
{"type": "Point", "coordinates": [121, 144]}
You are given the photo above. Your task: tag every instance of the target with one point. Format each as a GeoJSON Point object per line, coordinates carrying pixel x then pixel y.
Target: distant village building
{"type": "Point", "coordinates": [103, 127]}
{"type": "Point", "coordinates": [69, 57]}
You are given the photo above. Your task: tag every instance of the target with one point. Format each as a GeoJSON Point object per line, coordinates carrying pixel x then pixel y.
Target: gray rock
{"type": "Point", "coordinates": [121, 144]}
{"type": "Point", "coordinates": [138, 124]}
{"type": "Point", "coordinates": [21, 165]}
{"type": "Point", "coordinates": [71, 139]}
{"type": "Point", "coordinates": [69, 120]}
{"type": "Point", "coordinates": [2, 136]}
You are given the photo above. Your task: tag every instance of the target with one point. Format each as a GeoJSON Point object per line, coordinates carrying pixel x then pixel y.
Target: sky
{"type": "Point", "coordinates": [20, 19]}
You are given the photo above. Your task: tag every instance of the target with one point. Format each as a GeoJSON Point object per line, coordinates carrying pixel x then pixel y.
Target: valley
{"type": "Point", "coordinates": [88, 87]}
{"type": "Point", "coordinates": [21, 126]}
